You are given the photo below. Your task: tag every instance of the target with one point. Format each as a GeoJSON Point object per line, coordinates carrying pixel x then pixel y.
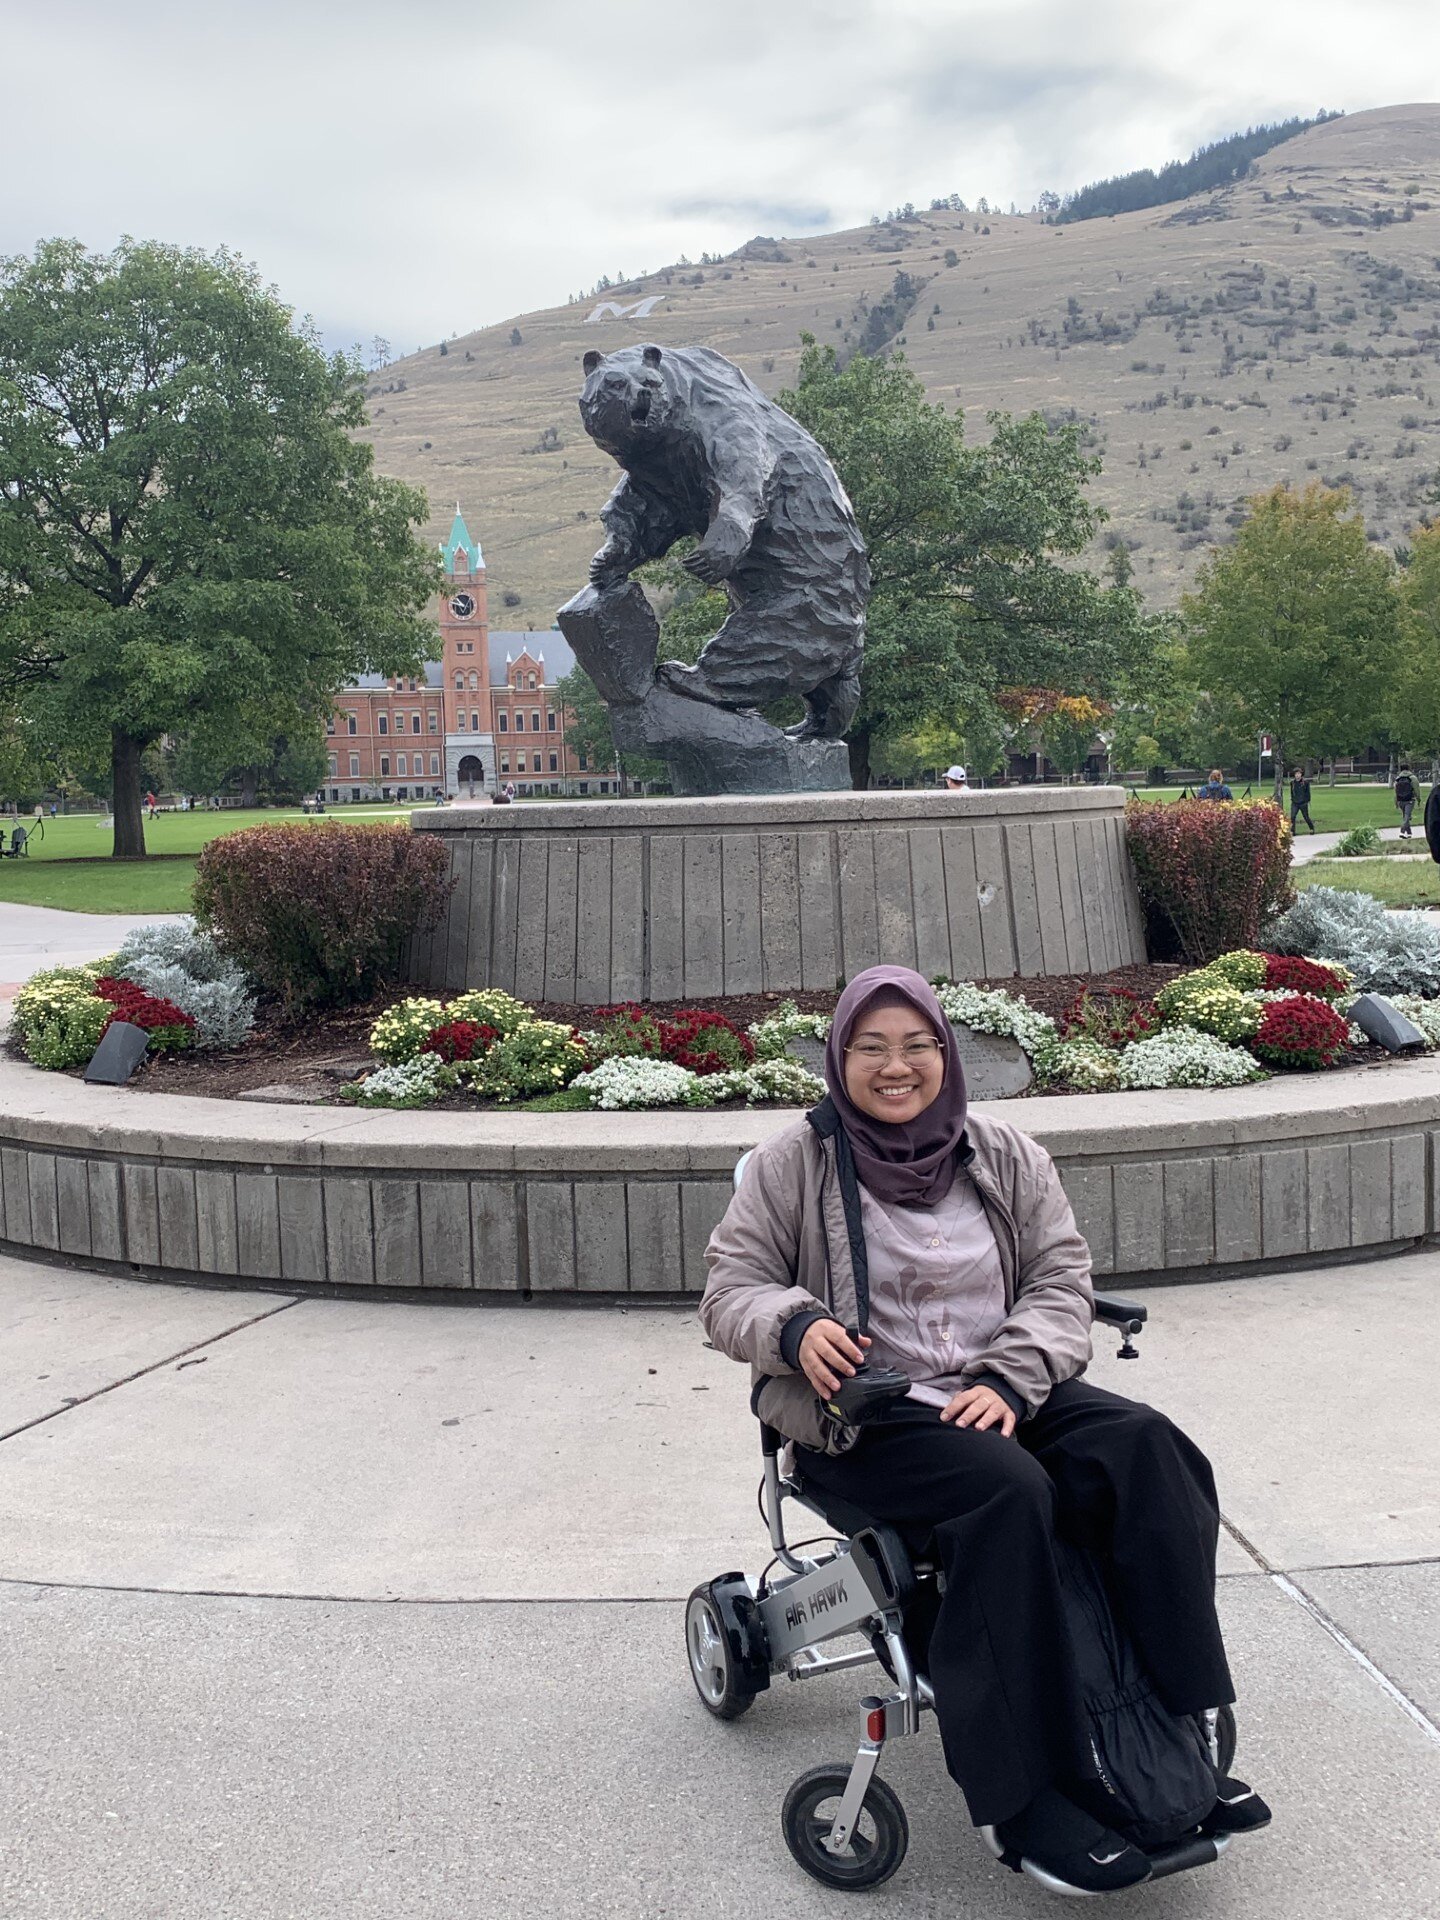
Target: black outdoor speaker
{"type": "Point", "coordinates": [1380, 1022]}
{"type": "Point", "coordinates": [121, 1049]}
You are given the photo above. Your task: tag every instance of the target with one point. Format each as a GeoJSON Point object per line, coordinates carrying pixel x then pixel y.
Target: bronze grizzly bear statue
{"type": "Point", "coordinates": [706, 453]}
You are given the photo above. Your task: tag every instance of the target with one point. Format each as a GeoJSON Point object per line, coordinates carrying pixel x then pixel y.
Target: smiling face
{"type": "Point", "coordinates": [888, 1086]}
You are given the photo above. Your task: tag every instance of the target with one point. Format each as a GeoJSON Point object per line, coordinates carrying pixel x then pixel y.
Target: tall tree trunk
{"type": "Point", "coordinates": [125, 751]}
{"type": "Point", "coordinates": [249, 786]}
{"type": "Point", "coordinates": [859, 745]}
{"type": "Point", "coordinates": [1278, 762]}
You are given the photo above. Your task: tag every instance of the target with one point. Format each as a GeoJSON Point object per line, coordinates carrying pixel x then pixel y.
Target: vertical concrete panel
{"type": "Point", "coordinates": [1329, 1206]}
{"type": "Point", "coordinates": [72, 1194]}
{"type": "Point", "coordinates": [894, 900]}
{"type": "Point", "coordinates": [1139, 1217]}
{"type": "Point", "coordinates": [444, 1234]}
{"type": "Point", "coordinates": [550, 1226]}
{"type": "Point", "coordinates": [505, 913]}
{"type": "Point", "coordinates": [1024, 907]}
{"type": "Point", "coordinates": [704, 919]}
{"type": "Point", "coordinates": [592, 921]}
{"type": "Point", "coordinates": [1049, 908]}
{"type": "Point", "coordinates": [780, 913]}
{"type": "Point", "coordinates": [142, 1216]}
{"type": "Point", "coordinates": [15, 1177]}
{"type": "Point", "coordinates": [179, 1233]}
{"type": "Point", "coordinates": [1283, 1204]}
{"type": "Point", "coordinates": [992, 899]}
{"type": "Point", "coordinates": [630, 902]}
{"type": "Point", "coordinates": [301, 1205]}
{"type": "Point", "coordinates": [1090, 1191]}
{"type": "Point", "coordinates": [530, 908]}
{"type": "Point", "coordinates": [1238, 1230]}
{"type": "Point", "coordinates": [495, 1235]}
{"type": "Point", "coordinates": [44, 1201]}
{"type": "Point", "coordinates": [456, 924]}
{"type": "Point", "coordinates": [257, 1224]}
{"type": "Point", "coordinates": [962, 905]}
{"type": "Point", "coordinates": [702, 1207]}
{"type": "Point", "coordinates": [561, 920]}
{"type": "Point", "coordinates": [216, 1226]}
{"type": "Point", "coordinates": [349, 1233]}
{"type": "Point", "coordinates": [932, 918]}
{"type": "Point", "coordinates": [107, 1219]}
{"type": "Point", "coordinates": [1100, 937]}
{"type": "Point", "coordinates": [740, 910]}
{"type": "Point", "coordinates": [1408, 1216]}
{"type": "Point", "coordinates": [1130, 919]}
{"type": "Point", "coordinates": [1369, 1192]}
{"type": "Point", "coordinates": [657, 1264]}
{"type": "Point", "coordinates": [601, 1242]}
{"type": "Point", "coordinates": [666, 917]}
{"type": "Point", "coordinates": [859, 919]}
{"type": "Point", "coordinates": [479, 919]}
{"type": "Point", "coordinates": [1189, 1213]}
{"type": "Point", "coordinates": [820, 958]}
{"type": "Point", "coordinates": [395, 1205]}
{"type": "Point", "coordinates": [1072, 905]}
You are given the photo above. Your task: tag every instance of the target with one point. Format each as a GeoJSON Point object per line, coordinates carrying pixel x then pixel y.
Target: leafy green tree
{"type": "Point", "coordinates": [1415, 712]}
{"type": "Point", "coordinates": [967, 550]}
{"type": "Point", "coordinates": [189, 525]}
{"type": "Point", "coordinates": [1297, 624]}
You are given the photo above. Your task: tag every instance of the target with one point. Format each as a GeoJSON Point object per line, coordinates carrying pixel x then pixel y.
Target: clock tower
{"type": "Point", "coordinates": [465, 665]}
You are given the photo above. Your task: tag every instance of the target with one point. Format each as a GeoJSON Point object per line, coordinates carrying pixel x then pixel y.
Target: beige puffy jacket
{"type": "Point", "coordinates": [791, 1237]}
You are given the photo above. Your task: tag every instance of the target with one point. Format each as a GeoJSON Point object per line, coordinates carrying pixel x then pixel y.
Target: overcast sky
{"type": "Point", "coordinates": [420, 168]}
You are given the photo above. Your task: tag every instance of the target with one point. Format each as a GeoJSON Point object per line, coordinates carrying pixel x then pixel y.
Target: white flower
{"type": "Point", "coordinates": [1185, 1057]}
{"type": "Point", "coordinates": [787, 1023]}
{"type": "Point", "coordinates": [1008, 1014]}
{"type": "Point", "coordinates": [1424, 1013]}
{"type": "Point", "coordinates": [781, 1082]}
{"type": "Point", "coordinates": [412, 1083]}
{"type": "Point", "coordinates": [632, 1080]}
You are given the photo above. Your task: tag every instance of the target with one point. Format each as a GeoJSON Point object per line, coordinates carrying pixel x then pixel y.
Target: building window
{"type": "Point", "coordinates": [350, 723]}
{"type": "Point", "coordinates": [384, 766]}
{"type": "Point", "coordinates": [415, 723]}
{"type": "Point", "coordinates": [413, 687]}
{"type": "Point", "coordinates": [401, 767]}
{"type": "Point", "coordinates": [354, 791]}
{"type": "Point", "coordinates": [399, 723]}
{"type": "Point", "coordinates": [474, 721]}
{"type": "Point", "coordinates": [550, 723]}
{"type": "Point", "coordinates": [519, 722]}
{"type": "Point", "coordinates": [383, 723]}
{"type": "Point", "coordinates": [534, 723]}
{"type": "Point", "coordinates": [504, 721]}
{"type": "Point", "coordinates": [532, 683]}
{"type": "Point", "coordinates": [474, 681]}
{"type": "Point", "coordinates": [505, 763]}
{"type": "Point", "coordinates": [334, 760]}
{"type": "Point", "coordinates": [584, 786]}
{"type": "Point", "coordinates": [434, 765]}
{"type": "Point", "coordinates": [554, 762]}
{"type": "Point", "coordinates": [581, 758]}
{"type": "Point", "coordinates": [459, 683]}
{"type": "Point", "coordinates": [434, 720]}
{"type": "Point", "coordinates": [354, 767]}
{"type": "Point", "coordinates": [330, 724]}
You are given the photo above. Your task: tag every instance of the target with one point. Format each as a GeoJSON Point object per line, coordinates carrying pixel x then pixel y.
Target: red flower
{"type": "Point", "coordinates": [1293, 973]}
{"type": "Point", "coordinates": [1299, 1033]}
{"type": "Point", "coordinates": [460, 1039]}
{"type": "Point", "coordinates": [705, 1042]}
{"type": "Point", "coordinates": [168, 1026]}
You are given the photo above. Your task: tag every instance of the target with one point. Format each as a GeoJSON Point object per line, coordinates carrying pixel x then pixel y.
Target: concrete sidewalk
{"type": "Point", "coordinates": [32, 938]}
{"type": "Point", "coordinates": [1305, 846]}
{"type": "Point", "coordinates": [363, 1611]}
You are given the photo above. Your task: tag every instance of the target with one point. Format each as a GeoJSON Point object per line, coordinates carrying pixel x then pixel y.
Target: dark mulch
{"type": "Point", "coordinates": [317, 1058]}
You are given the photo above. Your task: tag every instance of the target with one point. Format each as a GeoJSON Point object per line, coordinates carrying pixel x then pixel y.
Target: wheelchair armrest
{"type": "Point", "coordinates": [1116, 1311]}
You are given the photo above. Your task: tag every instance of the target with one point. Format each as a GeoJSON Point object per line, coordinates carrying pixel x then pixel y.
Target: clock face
{"type": "Point", "coordinates": [462, 606]}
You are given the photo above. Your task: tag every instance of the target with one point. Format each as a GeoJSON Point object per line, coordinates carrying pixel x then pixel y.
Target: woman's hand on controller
{"type": "Point", "coordinates": [978, 1407]}
{"type": "Point", "coordinates": [828, 1355]}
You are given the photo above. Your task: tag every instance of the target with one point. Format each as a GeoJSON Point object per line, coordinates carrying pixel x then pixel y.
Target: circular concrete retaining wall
{"type": "Point", "coordinates": [680, 899]}
{"type": "Point", "coordinates": [1164, 1186]}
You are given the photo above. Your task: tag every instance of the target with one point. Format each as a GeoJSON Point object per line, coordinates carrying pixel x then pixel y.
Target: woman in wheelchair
{"type": "Point", "coordinates": [955, 1231]}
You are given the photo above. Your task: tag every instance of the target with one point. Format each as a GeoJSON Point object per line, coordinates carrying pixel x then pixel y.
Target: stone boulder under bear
{"type": "Point", "coordinates": [706, 453]}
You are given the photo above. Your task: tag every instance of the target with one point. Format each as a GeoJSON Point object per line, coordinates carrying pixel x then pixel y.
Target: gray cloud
{"type": "Point", "coordinates": [418, 172]}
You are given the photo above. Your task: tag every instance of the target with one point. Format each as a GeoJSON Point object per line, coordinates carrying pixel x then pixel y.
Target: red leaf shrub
{"type": "Point", "coordinates": [321, 916]}
{"type": "Point", "coordinates": [706, 1043]}
{"type": "Point", "coordinates": [1299, 1033]}
{"type": "Point", "coordinates": [170, 1028]}
{"type": "Point", "coordinates": [460, 1039]}
{"type": "Point", "coordinates": [1293, 973]}
{"type": "Point", "coordinates": [1113, 1018]}
{"type": "Point", "coordinates": [1210, 873]}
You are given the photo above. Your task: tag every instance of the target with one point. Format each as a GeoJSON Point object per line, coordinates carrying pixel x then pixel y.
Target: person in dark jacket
{"type": "Point", "coordinates": [1300, 799]}
{"type": "Point", "coordinates": [1215, 788]}
{"type": "Point", "coordinates": [1406, 794]}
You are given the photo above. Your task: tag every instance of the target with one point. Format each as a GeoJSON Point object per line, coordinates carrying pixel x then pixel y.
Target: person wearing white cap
{"type": "Point", "coordinates": [955, 780]}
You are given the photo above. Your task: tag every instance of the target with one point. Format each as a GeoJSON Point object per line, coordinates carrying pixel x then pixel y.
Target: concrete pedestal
{"type": "Point", "coordinates": [677, 899]}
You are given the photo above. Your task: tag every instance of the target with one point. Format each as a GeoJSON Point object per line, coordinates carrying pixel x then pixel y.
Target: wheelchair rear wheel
{"type": "Point", "coordinates": [877, 1845]}
{"type": "Point", "coordinates": [723, 1688]}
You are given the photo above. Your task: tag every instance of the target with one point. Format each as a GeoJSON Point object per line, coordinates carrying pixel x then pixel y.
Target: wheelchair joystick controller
{"type": "Point", "coordinates": [867, 1391]}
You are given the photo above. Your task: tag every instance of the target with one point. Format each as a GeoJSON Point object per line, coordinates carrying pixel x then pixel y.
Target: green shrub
{"type": "Point", "coordinates": [68, 1032]}
{"type": "Point", "coordinates": [1210, 1005]}
{"type": "Point", "coordinates": [490, 1007]}
{"type": "Point", "coordinates": [321, 916]}
{"type": "Point", "coordinates": [1242, 969]}
{"type": "Point", "coordinates": [1357, 841]}
{"type": "Point", "coordinates": [539, 1057]}
{"type": "Point", "coordinates": [402, 1030]}
{"type": "Point", "coordinates": [625, 1031]}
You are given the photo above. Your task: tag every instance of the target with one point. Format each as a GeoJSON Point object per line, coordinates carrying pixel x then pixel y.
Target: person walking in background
{"type": "Point", "coordinates": [1300, 799]}
{"type": "Point", "coordinates": [150, 805]}
{"type": "Point", "coordinates": [1406, 794]}
{"type": "Point", "coordinates": [956, 780]}
{"type": "Point", "coordinates": [1214, 788]}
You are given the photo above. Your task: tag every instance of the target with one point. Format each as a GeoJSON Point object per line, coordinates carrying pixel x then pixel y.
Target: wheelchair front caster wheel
{"type": "Point", "coordinates": [722, 1686]}
{"type": "Point", "coordinates": [1222, 1741]}
{"type": "Point", "coordinates": [877, 1845]}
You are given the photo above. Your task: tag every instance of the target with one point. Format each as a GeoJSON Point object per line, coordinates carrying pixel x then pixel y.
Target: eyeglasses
{"type": "Point", "coordinates": [915, 1053]}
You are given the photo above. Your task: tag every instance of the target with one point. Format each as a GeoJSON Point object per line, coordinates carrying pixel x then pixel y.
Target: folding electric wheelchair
{"type": "Point", "coordinates": [844, 1824]}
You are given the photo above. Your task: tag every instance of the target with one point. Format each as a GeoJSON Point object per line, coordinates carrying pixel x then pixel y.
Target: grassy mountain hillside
{"type": "Point", "coordinates": [1285, 327]}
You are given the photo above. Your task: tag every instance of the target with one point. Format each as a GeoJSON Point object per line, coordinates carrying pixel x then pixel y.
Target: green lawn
{"type": "Point", "coordinates": [70, 865]}
{"type": "Point", "coordinates": [1333, 809]}
{"type": "Point", "coordinates": [1399, 883]}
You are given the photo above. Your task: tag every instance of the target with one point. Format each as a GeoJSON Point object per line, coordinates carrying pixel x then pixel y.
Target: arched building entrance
{"type": "Point", "coordinates": [471, 774]}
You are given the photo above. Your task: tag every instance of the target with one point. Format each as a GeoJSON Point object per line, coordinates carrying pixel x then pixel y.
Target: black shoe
{"type": "Point", "coordinates": [1065, 1849]}
{"type": "Point", "coordinates": [1238, 1809]}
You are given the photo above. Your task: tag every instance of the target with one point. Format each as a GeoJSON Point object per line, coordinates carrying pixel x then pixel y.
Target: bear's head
{"type": "Point", "coordinates": [626, 400]}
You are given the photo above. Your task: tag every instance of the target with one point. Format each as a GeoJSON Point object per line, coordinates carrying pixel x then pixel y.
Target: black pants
{"type": "Point", "coordinates": [1301, 813]}
{"type": "Point", "coordinates": [1114, 1476]}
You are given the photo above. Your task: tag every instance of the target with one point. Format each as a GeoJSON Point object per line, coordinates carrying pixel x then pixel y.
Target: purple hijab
{"type": "Point", "coordinates": [910, 1163]}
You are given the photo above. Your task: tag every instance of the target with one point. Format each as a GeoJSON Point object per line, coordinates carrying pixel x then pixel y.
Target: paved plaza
{"type": "Point", "coordinates": [354, 1610]}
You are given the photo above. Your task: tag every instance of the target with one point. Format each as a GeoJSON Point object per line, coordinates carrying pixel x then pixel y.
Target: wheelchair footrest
{"type": "Point", "coordinates": [1195, 1850]}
